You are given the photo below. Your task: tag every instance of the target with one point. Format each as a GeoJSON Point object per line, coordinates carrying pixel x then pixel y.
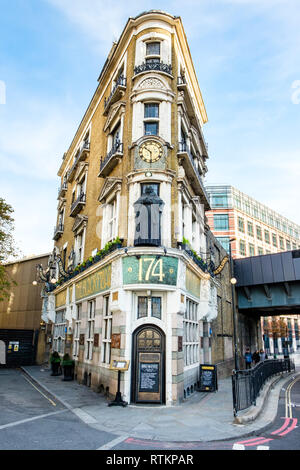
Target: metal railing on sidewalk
{"type": "Point", "coordinates": [246, 384]}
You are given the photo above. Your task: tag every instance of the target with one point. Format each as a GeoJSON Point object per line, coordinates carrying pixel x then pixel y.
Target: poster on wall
{"type": "Point", "coordinates": [149, 377]}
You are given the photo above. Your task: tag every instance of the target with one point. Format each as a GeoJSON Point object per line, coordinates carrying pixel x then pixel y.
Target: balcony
{"type": "Point", "coordinates": [192, 173]}
{"type": "Point", "coordinates": [116, 93]}
{"type": "Point", "coordinates": [181, 82]}
{"type": "Point", "coordinates": [81, 155]}
{"type": "Point", "coordinates": [62, 190]}
{"type": "Point", "coordinates": [78, 205]}
{"type": "Point", "coordinates": [153, 66]}
{"type": "Point", "coordinates": [58, 231]}
{"type": "Point", "coordinates": [111, 160]}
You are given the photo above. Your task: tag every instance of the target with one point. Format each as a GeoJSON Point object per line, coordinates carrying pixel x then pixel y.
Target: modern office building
{"type": "Point", "coordinates": [255, 228]}
{"type": "Point", "coordinates": [126, 282]}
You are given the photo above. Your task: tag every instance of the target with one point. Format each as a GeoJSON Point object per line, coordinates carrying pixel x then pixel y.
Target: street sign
{"type": "Point", "coordinates": [208, 378]}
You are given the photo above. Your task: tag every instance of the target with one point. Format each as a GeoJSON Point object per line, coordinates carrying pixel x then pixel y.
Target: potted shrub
{"type": "Point", "coordinates": [68, 367]}
{"type": "Point", "coordinates": [55, 364]}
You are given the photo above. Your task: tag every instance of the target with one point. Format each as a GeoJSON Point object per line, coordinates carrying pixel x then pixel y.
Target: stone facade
{"type": "Point", "coordinates": [138, 287]}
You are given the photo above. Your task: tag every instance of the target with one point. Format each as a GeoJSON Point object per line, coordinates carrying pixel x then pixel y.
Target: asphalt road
{"type": "Point", "coordinates": [30, 419]}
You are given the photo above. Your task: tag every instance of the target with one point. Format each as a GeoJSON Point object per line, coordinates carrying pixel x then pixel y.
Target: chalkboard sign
{"type": "Point", "coordinates": [208, 378]}
{"type": "Point", "coordinates": [149, 377]}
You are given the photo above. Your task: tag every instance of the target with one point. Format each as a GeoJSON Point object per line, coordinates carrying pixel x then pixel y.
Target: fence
{"type": "Point", "coordinates": [246, 384]}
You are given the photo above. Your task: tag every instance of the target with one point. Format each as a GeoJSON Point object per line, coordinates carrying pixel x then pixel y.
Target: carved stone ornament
{"type": "Point", "coordinates": [152, 83]}
{"type": "Point", "coordinates": [114, 111]}
{"type": "Point", "coordinates": [109, 185]}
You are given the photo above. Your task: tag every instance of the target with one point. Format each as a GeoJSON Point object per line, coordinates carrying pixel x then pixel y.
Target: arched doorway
{"type": "Point", "coordinates": [148, 365]}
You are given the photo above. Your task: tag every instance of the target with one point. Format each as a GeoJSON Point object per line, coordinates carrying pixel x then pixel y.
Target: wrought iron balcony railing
{"type": "Point", "coordinates": [192, 171]}
{"type": "Point", "coordinates": [116, 92]}
{"type": "Point", "coordinates": [111, 159]}
{"type": "Point", "coordinates": [80, 156]}
{"type": "Point", "coordinates": [150, 66]}
{"type": "Point", "coordinates": [62, 189]}
{"type": "Point", "coordinates": [58, 231]}
{"type": "Point", "coordinates": [78, 204]}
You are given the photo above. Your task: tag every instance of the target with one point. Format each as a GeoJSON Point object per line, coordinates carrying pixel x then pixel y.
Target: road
{"type": "Point", "coordinates": [30, 419]}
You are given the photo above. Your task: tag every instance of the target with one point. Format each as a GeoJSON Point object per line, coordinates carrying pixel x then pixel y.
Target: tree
{"type": "Point", "coordinates": [7, 246]}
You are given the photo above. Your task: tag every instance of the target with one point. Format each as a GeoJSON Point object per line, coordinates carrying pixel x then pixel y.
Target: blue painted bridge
{"type": "Point", "coordinates": [269, 284]}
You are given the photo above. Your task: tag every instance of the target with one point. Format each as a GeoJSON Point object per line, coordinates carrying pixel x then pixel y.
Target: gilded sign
{"type": "Point", "coordinates": [221, 266]}
{"type": "Point", "coordinates": [60, 298]}
{"type": "Point", "coordinates": [150, 269]}
{"type": "Point", "coordinates": [94, 283]}
{"type": "Point", "coordinates": [192, 283]}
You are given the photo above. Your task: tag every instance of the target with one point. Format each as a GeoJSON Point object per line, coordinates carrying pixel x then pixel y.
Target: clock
{"type": "Point", "coordinates": [151, 151]}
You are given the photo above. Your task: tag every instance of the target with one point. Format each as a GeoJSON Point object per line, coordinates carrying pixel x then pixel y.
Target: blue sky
{"type": "Point", "coordinates": [246, 55]}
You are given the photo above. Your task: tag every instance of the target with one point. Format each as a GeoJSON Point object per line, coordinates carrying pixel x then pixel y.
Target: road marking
{"type": "Point", "coordinates": [16, 423]}
{"type": "Point", "coordinates": [47, 398]}
{"type": "Point", "coordinates": [109, 445]}
{"type": "Point", "coordinates": [85, 417]}
{"type": "Point", "coordinates": [263, 448]}
{"type": "Point", "coordinates": [238, 447]}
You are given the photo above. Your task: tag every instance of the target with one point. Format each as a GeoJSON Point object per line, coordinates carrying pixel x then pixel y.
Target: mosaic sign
{"type": "Point", "coordinates": [94, 283]}
{"type": "Point", "coordinates": [192, 283]}
{"type": "Point", "coordinates": [60, 298]}
{"type": "Point", "coordinates": [150, 269]}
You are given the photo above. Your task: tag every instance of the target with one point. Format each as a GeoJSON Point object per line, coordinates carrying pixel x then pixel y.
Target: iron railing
{"type": "Point", "coordinates": [78, 202]}
{"type": "Point", "coordinates": [148, 66]}
{"type": "Point", "coordinates": [117, 148]}
{"type": "Point", "coordinates": [246, 384]}
{"type": "Point", "coordinates": [121, 81]}
{"type": "Point", "coordinates": [183, 148]}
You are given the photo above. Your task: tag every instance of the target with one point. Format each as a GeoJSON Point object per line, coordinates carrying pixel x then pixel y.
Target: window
{"type": "Point", "coordinates": [251, 250]}
{"type": "Point", "coordinates": [79, 248]}
{"type": "Point", "coordinates": [77, 330]}
{"type": "Point", "coordinates": [111, 219]}
{"type": "Point", "coordinates": [274, 239]}
{"type": "Point", "coordinates": [153, 48]}
{"type": "Point", "coordinates": [267, 236]}
{"type": "Point", "coordinates": [250, 229]}
{"type": "Point", "coordinates": [107, 329]}
{"type": "Point", "coordinates": [224, 242]}
{"type": "Point", "coordinates": [90, 329]}
{"type": "Point", "coordinates": [221, 222]}
{"type": "Point", "coordinates": [151, 115]}
{"type": "Point", "coordinates": [288, 245]}
{"type": "Point", "coordinates": [151, 110]}
{"type": "Point", "coordinates": [191, 333]}
{"type": "Point", "coordinates": [258, 232]}
{"type": "Point", "coordinates": [260, 250]}
{"type": "Point", "coordinates": [219, 200]}
{"type": "Point", "coordinates": [59, 332]}
{"type": "Point", "coordinates": [153, 186]}
{"type": "Point", "coordinates": [149, 305]}
{"type": "Point", "coordinates": [281, 243]}
{"type": "Point", "coordinates": [241, 225]}
{"type": "Point", "coordinates": [242, 248]}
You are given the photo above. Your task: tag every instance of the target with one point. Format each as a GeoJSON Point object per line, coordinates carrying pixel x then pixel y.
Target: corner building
{"type": "Point", "coordinates": [131, 195]}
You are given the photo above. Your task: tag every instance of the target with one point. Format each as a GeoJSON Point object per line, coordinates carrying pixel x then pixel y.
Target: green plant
{"type": "Point", "coordinates": [185, 241]}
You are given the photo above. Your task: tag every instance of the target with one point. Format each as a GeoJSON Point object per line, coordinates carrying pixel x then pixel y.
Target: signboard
{"type": "Point", "coordinates": [119, 364]}
{"type": "Point", "coordinates": [13, 345]}
{"type": "Point", "coordinates": [149, 377]}
{"type": "Point", "coordinates": [192, 283]}
{"type": "Point", "coordinates": [60, 298]}
{"type": "Point", "coordinates": [208, 378]}
{"type": "Point", "coordinates": [150, 269]}
{"type": "Point", "coordinates": [94, 283]}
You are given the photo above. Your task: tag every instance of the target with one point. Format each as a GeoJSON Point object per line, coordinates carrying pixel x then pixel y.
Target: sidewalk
{"type": "Point", "coordinates": [203, 417]}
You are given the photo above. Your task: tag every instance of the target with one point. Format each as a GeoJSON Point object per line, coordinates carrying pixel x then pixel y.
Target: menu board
{"type": "Point", "coordinates": [208, 378]}
{"type": "Point", "coordinates": [149, 377]}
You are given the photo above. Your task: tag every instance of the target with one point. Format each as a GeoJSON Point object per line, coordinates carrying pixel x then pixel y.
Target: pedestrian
{"type": "Point", "coordinates": [55, 363]}
{"type": "Point", "coordinates": [256, 357]}
{"type": "Point", "coordinates": [248, 358]}
{"type": "Point", "coordinates": [262, 355]}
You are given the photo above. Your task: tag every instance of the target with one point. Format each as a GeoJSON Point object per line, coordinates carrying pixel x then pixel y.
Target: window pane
{"type": "Point", "coordinates": [151, 110]}
{"type": "Point", "coordinates": [221, 222]}
{"type": "Point", "coordinates": [153, 48]}
{"type": "Point", "coordinates": [154, 186]}
{"type": "Point", "coordinates": [151, 128]}
{"type": "Point", "coordinates": [142, 307]}
{"type": "Point", "coordinates": [156, 307]}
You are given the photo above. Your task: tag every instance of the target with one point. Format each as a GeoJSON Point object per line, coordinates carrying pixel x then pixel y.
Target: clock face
{"type": "Point", "coordinates": [150, 151]}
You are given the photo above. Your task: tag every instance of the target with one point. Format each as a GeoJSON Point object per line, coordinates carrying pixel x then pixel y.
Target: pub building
{"type": "Point", "coordinates": [131, 277]}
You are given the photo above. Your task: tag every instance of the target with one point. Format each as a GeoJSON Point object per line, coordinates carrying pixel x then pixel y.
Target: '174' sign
{"type": "Point", "coordinates": [149, 269]}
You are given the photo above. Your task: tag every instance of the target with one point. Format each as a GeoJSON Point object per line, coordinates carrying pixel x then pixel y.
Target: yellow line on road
{"type": "Point", "coordinates": [47, 398]}
{"type": "Point", "coordinates": [288, 403]}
